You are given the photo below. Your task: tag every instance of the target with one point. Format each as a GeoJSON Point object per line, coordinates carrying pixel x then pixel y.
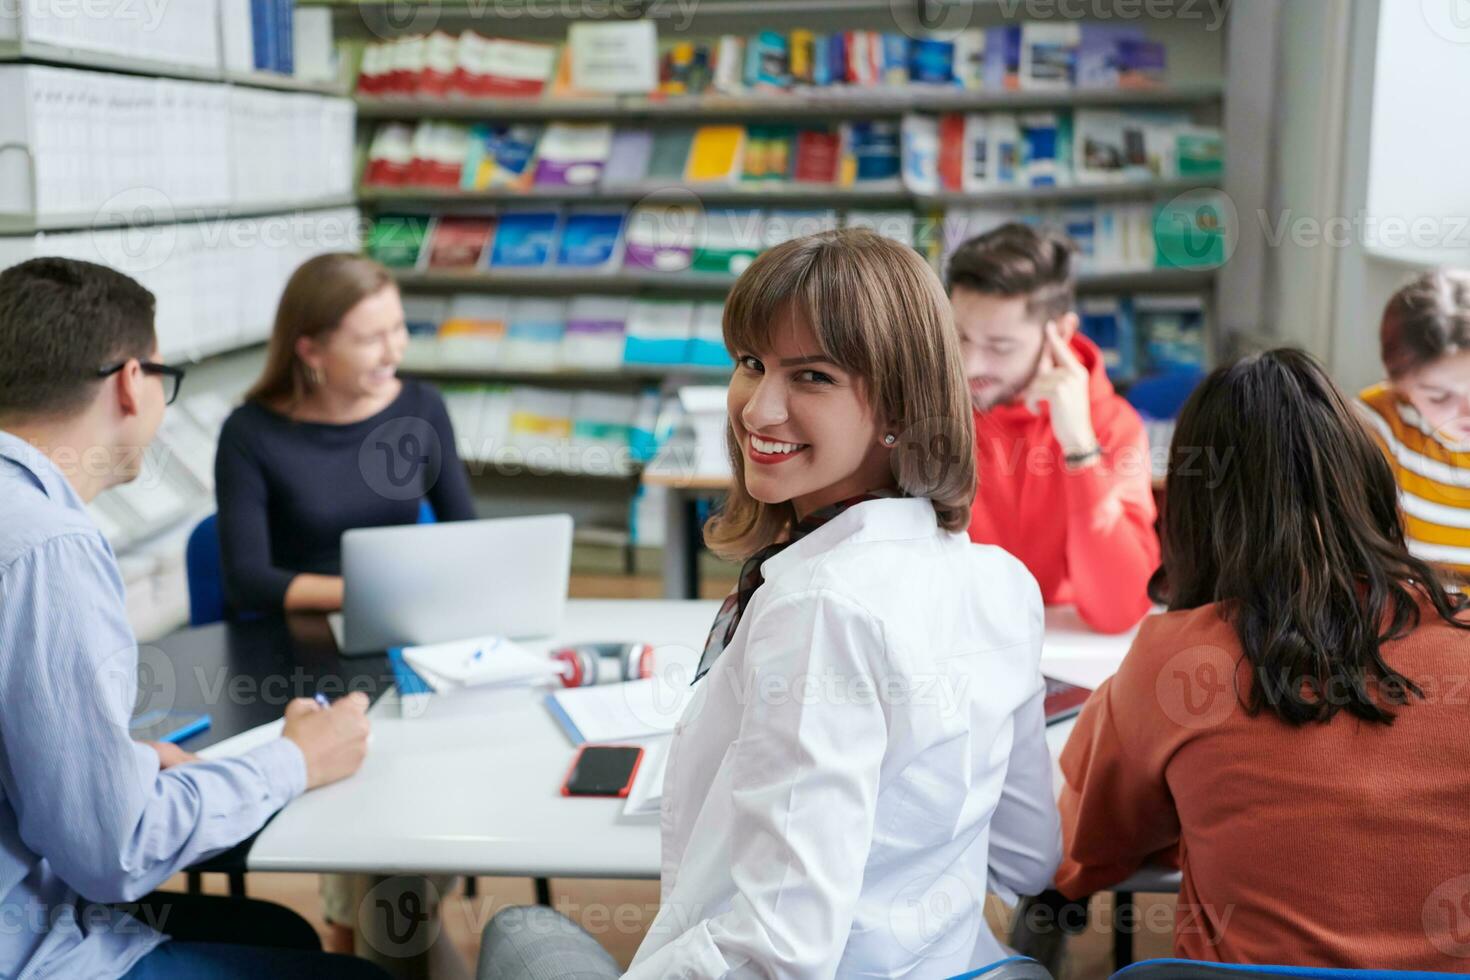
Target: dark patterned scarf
{"type": "Point", "coordinates": [727, 620]}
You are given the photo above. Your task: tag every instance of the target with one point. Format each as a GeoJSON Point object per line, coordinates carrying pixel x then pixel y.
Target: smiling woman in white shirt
{"type": "Point", "coordinates": [864, 756]}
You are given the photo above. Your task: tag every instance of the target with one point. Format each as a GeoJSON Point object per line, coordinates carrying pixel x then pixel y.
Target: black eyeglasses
{"type": "Point", "coordinates": [173, 377]}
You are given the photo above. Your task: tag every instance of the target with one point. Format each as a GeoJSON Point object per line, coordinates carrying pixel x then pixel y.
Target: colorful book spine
{"type": "Point", "coordinates": [525, 239]}
{"type": "Point", "coordinates": [591, 240]}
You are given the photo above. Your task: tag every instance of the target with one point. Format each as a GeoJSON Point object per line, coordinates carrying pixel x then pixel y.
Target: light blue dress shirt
{"type": "Point", "coordinates": [86, 815]}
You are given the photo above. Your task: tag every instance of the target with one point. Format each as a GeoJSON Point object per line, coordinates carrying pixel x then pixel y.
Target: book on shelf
{"type": "Point", "coordinates": [592, 240]}
{"type": "Point", "coordinates": [539, 417]}
{"type": "Point", "coordinates": [714, 155]}
{"type": "Point", "coordinates": [603, 418]}
{"type": "Point", "coordinates": [660, 237]}
{"type": "Point", "coordinates": [627, 157]}
{"type": "Point", "coordinates": [390, 156]}
{"type": "Point", "coordinates": [1046, 150]}
{"type": "Point", "coordinates": [1049, 55]}
{"type": "Point", "coordinates": [872, 152]}
{"type": "Point", "coordinates": [767, 63]}
{"type": "Point", "coordinates": [729, 67]}
{"type": "Point", "coordinates": [658, 332]}
{"type": "Point", "coordinates": [707, 337]}
{"type": "Point", "coordinates": [459, 241]}
{"type": "Point", "coordinates": [596, 332]}
{"type": "Point", "coordinates": [501, 67]}
{"type": "Point", "coordinates": [1107, 322]}
{"type": "Point", "coordinates": [572, 154]}
{"type": "Point", "coordinates": [423, 315]}
{"type": "Point", "coordinates": [439, 154]}
{"type": "Point", "coordinates": [264, 34]}
{"type": "Point", "coordinates": [920, 153]}
{"type": "Point", "coordinates": [818, 155]}
{"type": "Point", "coordinates": [768, 153]}
{"type": "Point", "coordinates": [1172, 330]}
{"type": "Point", "coordinates": [933, 61]}
{"type": "Point", "coordinates": [474, 328]}
{"type": "Point", "coordinates": [534, 329]}
{"type": "Point", "coordinates": [525, 239]}
{"type": "Point", "coordinates": [1003, 58]}
{"type": "Point", "coordinates": [669, 153]}
{"type": "Point", "coordinates": [441, 59]}
{"type": "Point", "coordinates": [397, 240]}
{"type": "Point", "coordinates": [894, 66]}
{"type": "Point", "coordinates": [500, 157]}
{"type": "Point", "coordinates": [728, 241]}
{"type": "Point", "coordinates": [969, 59]}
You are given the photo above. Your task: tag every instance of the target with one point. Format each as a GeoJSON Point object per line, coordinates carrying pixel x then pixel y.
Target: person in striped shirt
{"type": "Point", "coordinates": [1421, 414]}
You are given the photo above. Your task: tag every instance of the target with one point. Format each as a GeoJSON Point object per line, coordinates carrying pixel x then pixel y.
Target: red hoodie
{"type": "Point", "coordinates": [1087, 535]}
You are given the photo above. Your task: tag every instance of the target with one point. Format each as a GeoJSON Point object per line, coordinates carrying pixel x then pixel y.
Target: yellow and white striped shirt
{"type": "Point", "coordinates": [1433, 478]}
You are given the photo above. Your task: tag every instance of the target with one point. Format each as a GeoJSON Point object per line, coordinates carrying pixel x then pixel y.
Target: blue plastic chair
{"type": "Point", "coordinates": [1161, 396]}
{"type": "Point", "coordinates": [1011, 968]}
{"type": "Point", "coordinates": [1194, 970]}
{"type": "Point", "coordinates": [206, 575]}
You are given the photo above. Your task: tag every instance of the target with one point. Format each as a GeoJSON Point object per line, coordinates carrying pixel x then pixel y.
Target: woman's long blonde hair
{"type": "Point", "coordinates": [318, 295]}
{"type": "Point", "coordinates": [879, 312]}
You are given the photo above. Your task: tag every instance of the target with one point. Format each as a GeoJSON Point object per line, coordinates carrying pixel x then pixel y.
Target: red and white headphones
{"type": "Point", "coordinates": [604, 663]}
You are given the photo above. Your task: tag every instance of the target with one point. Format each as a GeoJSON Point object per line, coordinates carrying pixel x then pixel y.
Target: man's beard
{"type": "Point", "coordinates": [999, 395]}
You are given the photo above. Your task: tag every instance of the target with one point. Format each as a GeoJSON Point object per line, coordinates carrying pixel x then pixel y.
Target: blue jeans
{"type": "Point", "coordinates": [233, 938]}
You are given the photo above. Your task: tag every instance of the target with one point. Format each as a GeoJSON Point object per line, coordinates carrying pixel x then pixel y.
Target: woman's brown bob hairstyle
{"type": "Point", "coordinates": [318, 295]}
{"type": "Point", "coordinates": [878, 312]}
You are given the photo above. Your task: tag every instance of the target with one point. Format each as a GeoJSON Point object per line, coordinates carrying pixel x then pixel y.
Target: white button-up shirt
{"type": "Point", "coordinates": [864, 761]}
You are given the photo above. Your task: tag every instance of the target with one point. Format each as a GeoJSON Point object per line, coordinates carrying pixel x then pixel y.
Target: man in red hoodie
{"type": "Point", "coordinates": [1065, 481]}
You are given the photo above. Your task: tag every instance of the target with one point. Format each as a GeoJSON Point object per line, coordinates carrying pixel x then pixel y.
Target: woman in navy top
{"type": "Point", "coordinates": [328, 439]}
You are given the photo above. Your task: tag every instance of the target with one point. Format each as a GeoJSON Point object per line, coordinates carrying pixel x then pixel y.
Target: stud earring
{"type": "Point", "coordinates": [890, 439]}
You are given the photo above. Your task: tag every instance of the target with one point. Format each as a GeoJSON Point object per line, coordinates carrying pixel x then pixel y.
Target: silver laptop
{"type": "Point", "coordinates": [428, 583]}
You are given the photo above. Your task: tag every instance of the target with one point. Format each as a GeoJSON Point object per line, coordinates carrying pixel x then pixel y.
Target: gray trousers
{"type": "Point", "coordinates": [533, 942]}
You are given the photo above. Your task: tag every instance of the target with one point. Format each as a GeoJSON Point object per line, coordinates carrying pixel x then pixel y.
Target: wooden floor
{"type": "Point", "coordinates": [619, 912]}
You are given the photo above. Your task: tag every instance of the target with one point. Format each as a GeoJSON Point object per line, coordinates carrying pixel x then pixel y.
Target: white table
{"type": "Point", "coordinates": [472, 785]}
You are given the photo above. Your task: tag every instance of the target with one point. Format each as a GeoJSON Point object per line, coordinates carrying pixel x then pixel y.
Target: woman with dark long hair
{"type": "Point", "coordinates": [1293, 727]}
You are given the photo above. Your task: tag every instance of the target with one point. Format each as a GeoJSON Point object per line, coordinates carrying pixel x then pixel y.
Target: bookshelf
{"type": "Point", "coordinates": [684, 283]}
{"type": "Point", "coordinates": [836, 105]}
{"type": "Point", "coordinates": [770, 193]}
{"type": "Point", "coordinates": [216, 260]}
{"type": "Point", "coordinates": [1195, 87]}
{"type": "Point", "coordinates": [97, 220]}
{"type": "Point", "coordinates": [39, 53]}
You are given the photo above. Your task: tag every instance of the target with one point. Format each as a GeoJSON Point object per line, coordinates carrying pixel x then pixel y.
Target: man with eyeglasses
{"type": "Point", "coordinates": [90, 819]}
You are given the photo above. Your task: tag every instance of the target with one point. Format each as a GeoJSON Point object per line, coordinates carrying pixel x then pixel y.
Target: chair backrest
{"type": "Point", "coordinates": [204, 573]}
{"type": "Point", "coordinates": [1193, 970]}
{"type": "Point", "coordinates": [1013, 968]}
{"type": "Point", "coordinates": [1161, 396]}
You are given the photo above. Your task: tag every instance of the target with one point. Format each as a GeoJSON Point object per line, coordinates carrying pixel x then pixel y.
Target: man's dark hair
{"type": "Point", "coordinates": [60, 321]}
{"type": "Point", "coordinates": [1017, 260]}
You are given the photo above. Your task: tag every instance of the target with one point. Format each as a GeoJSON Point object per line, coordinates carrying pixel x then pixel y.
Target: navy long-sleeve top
{"type": "Point", "coordinates": [288, 489]}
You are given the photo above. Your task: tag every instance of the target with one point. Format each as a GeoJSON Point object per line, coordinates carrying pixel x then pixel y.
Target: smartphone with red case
{"type": "Point", "coordinates": [603, 770]}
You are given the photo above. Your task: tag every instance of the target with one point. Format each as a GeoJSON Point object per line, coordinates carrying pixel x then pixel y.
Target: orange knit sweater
{"type": "Point", "coordinates": [1339, 845]}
